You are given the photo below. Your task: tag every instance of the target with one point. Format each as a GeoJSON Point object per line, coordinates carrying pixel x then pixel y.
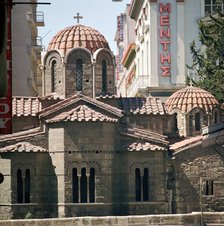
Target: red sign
{"type": "Point", "coordinates": [165, 41]}
{"type": "Point", "coordinates": [6, 98]}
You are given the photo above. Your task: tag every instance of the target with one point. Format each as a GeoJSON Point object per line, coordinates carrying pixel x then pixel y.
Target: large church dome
{"type": "Point", "coordinates": [78, 36]}
{"type": "Point", "coordinates": [189, 98]}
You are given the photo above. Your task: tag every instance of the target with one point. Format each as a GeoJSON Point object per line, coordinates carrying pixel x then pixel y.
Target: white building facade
{"type": "Point", "coordinates": [164, 30]}
{"type": "Point", "coordinates": [26, 49]}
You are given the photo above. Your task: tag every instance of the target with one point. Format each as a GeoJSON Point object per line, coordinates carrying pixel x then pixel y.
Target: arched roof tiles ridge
{"type": "Point", "coordinates": [72, 50]}
{"type": "Point", "coordinates": [50, 52]}
{"type": "Point", "coordinates": [191, 97]}
{"type": "Point", "coordinates": [86, 37]}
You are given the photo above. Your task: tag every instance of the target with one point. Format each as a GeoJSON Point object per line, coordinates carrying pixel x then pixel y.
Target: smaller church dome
{"type": "Point", "coordinates": [191, 97]}
{"type": "Point", "coordinates": [78, 36]}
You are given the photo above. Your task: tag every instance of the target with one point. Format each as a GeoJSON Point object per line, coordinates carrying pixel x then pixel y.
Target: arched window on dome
{"type": "Point", "coordinates": [104, 76]}
{"type": "Point", "coordinates": [53, 75]}
{"type": "Point", "coordinates": [197, 120]}
{"type": "Point", "coordinates": [216, 117]}
{"type": "Point", "coordinates": [79, 74]}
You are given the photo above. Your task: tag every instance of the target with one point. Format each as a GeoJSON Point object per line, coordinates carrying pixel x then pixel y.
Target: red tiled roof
{"type": "Point", "coordinates": [23, 135]}
{"type": "Point", "coordinates": [186, 143]}
{"type": "Point", "coordinates": [78, 36]}
{"type": "Point", "coordinates": [137, 105]}
{"type": "Point", "coordinates": [146, 146]}
{"type": "Point", "coordinates": [22, 147]}
{"type": "Point", "coordinates": [190, 97]}
{"type": "Point", "coordinates": [25, 106]}
{"type": "Point", "coordinates": [82, 113]}
{"type": "Point", "coordinates": [143, 135]}
{"type": "Point", "coordinates": [81, 99]}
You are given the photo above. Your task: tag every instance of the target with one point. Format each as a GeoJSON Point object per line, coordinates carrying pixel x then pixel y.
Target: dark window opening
{"type": "Point", "coordinates": [197, 122]}
{"type": "Point", "coordinates": [216, 117]}
{"type": "Point", "coordinates": [175, 122]}
{"type": "Point", "coordinates": [19, 186]}
{"type": "Point", "coordinates": [104, 76]}
{"type": "Point", "coordinates": [92, 186]}
{"type": "Point", "coordinates": [83, 186]}
{"type": "Point", "coordinates": [79, 74]}
{"type": "Point", "coordinates": [146, 185]}
{"type": "Point", "coordinates": [27, 186]}
{"type": "Point", "coordinates": [1, 178]}
{"type": "Point", "coordinates": [137, 185]}
{"type": "Point", "coordinates": [75, 186]}
{"type": "Point", "coordinates": [209, 187]}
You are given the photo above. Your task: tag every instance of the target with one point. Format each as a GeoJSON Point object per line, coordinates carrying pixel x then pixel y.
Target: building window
{"type": "Point", "coordinates": [79, 74]}
{"type": "Point", "coordinates": [104, 76]}
{"type": "Point", "coordinates": [197, 121]}
{"type": "Point", "coordinates": [27, 186]}
{"type": "Point", "coordinates": [19, 186]}
{"type": "Point", "coordinates": [141, 185]}
{"type": "Point", "coordinates": [83, 186]}
{"type": "Point", "coordinates": [216, 117]}
{"type": "Point", "coordinates": [212, 7]}
{"type": "Point", "coordinates": [209, 187]}
{"type": "Point", "coordinates": [53, 75]}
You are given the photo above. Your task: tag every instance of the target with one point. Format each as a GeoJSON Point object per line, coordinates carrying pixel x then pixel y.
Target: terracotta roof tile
{"type": "Point", "coordinates": [186, 143]}
{"type": "Point", "coordinates": [146, 146]}
{"type": "Point", "coordinates": [144, 135]}
{"type": "Point", "coordinates": [82, 113]}
{"type": "Point", "coordinates": [22, 147]}
{"type": "Point", "coordinates": [70, 37]}
{"type": "Point", "coordinates": [25, 106]}
{"type": "Point", "coordinates": [190, 97]}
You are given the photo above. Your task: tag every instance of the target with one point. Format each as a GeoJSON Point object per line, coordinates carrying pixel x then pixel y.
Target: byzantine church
{"type": "Point", "coordinates": [80, 149]}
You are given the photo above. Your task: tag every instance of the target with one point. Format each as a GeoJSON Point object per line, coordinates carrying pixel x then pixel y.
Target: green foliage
{"type": "Point", "coordinates": [28, 215]}
{"type": "Point", "coordinates": [208, 61]}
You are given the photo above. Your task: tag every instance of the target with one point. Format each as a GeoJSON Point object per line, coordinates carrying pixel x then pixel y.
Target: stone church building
{"type": "Point", "coordinates": [80, 150]}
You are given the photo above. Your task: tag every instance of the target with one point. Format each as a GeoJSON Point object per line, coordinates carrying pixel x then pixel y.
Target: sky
{"type": "Point", "coordinates": [98, 14]}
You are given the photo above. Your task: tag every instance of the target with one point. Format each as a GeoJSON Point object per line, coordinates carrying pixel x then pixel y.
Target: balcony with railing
{"type": "Point", "coordinates": [139, 82]}
{"type": "Point", "coordinates": [36, 19]}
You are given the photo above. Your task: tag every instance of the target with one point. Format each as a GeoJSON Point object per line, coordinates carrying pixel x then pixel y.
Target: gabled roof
{"type": "Point", "coordinates": [81, 113]}
{"type": "Point", "coordinates": [143, 135]}
{"type": "Point", "coordinates": [66, 108]}
{"type": "Point", "coordinates": [22, 147]}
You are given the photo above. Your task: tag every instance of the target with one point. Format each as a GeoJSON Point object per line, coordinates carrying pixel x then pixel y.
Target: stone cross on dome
{"type": "Point", "coordinates": [78, 17]}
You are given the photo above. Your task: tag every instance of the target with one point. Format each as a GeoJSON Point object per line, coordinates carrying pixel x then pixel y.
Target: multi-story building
{"type": "Point", "coordinates": [26, 49]}
{"type": "Point", "coordinates": [125, 37]}
{"type": "Point", "coordinates": [164, 31]}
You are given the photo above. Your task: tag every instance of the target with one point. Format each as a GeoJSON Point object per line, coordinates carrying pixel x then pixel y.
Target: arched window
{"type": "Point", "coordinates": [175, 122]}
{"type": "Point", "coordinates": [197, 121]}
{"type": "Point", "coordinates": [53, 75]}
{"type": "Point", "coordinates": [92, 185]}
{"type": "Point", "coordinates": [75, 186]}
{"type": "Point", "coordinates": [27, 186]}
{"type": "Point", "coordinates": [209, 187]}
{"type": "Point", "coordinates": [83, 186]}
{"type": "Point", "coordinates": [215, 117]}
{"type": "Point", "coordinates": [79, 74]}
{"type": "Point", "coordinates": [19, 186]}
{"type": "Point", "coordinates": [104, 76]}
{"type": "Point", "coordinates": [137, 185]}
{"type": "Point", "coordinates": [146, 185]}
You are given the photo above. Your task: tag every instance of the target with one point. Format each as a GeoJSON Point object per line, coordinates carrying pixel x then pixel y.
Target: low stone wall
{"type": "Point", "coordinates": [193, 219]}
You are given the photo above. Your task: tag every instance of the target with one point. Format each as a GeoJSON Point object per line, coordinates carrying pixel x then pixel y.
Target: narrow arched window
{"type": "Point", "coordinates": [19, 186]}
{"type": "Point", "coordinates": [215, 117]}
{"type": "Point", "coordinates": [53, 75]}
{"type": "Point", "coordinates": [137, 185]}
{"type": "Point", "coordinates": [92, 185]}
{"type": "Point", "coordinates": [146, 185]}
{"type": "Point", "coordinates": [197, 122]}
{"type": "Point", "coordinates": [79, 74]}
{"type": "Point", "coordinates": [104, 76]}
{"type": "Point", "coordinates": [175, 122]}
{"type": "Point", "coordinates": [83, 186]}
{"type": "Point", "coordinates": [75, 186]}
{"type": "Point", "coordinates": [27, 186]}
